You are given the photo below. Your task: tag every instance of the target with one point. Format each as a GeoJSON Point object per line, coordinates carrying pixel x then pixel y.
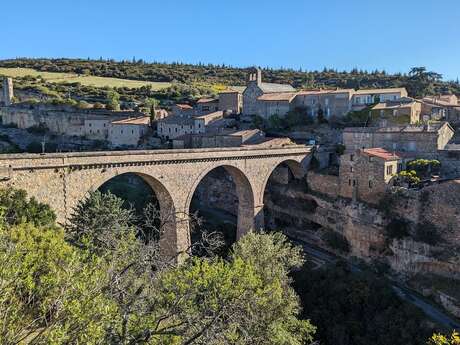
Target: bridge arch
{"type": "Point", "coordinates": [297, 168]}
{"type": "Point", "coordinates": [167, 210]}
{"type": "Point", "coordinates": [244, 191]}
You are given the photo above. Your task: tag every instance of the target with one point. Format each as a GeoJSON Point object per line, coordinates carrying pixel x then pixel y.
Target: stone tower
{"type": "Point", "coordinates": [7, 88]}
{"type": "Point", "coordinates": [254, 76]}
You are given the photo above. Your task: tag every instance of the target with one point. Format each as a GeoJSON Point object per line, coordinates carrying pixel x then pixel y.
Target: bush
{"type": "Point", "coordinates": [397, 228]}
{"type": "Point", "coordinates": [17, 208]}
{"type": "Point", "coordinates": [337, 241]}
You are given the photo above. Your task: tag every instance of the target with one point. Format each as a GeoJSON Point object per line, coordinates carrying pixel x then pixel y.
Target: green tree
{"type": "Point", "coordinates": [51, 293]}
{"type": "Point", "coordinates": [99, 220]}
{"type": "Point", "coordinates": [113, 100]}
{"type": "Point", "coordinates": [440, 339]}
{"type": "Point", "coordinates": [422, 82]}
{"type": "Point", "coordinates": [17, 208]}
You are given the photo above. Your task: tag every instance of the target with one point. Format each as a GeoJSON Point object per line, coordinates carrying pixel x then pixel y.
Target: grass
{"type": "Point", "coordinates": [88, 80]}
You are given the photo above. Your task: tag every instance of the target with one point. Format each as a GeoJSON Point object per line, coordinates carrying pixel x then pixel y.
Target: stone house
{"type": "Point", "coordinates": [403, 111]}
{"type": "Point", "coordinates": [182, 110]}
{"type": "Point", "coordinates": [365, 97]}
{"type": "Point", "coordinates": [175, 126]}
{"type": "Point", "coordinates": [97, 128]}
{"type": "Point", "coordinates": [278, 104]}
{"type": "Point", "coordinates": [231, 101]}
{"type": "Point", "coordinates": [424, 140]}
{"type": "Point", "coordinates": [223, 139]}
{"type": "Point", "coordinates": [255, 88]}
{"type": "Point", "coordinates": [365, 174]}
{"type": "Point", "coordinates": [128, 132]}
{"type": "Point", "coordinates": [441, 107]}
{"type": "Point", "coordinates": [331, 102]}
{"type": "Point", "coordinates": [207, 105]}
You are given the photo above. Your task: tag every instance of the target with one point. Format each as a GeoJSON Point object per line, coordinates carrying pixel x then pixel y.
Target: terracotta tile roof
{"type": "Point", "coordinates": [207, 100]}
{"type": "Point", "coordinates": [279, 96]}
{"type": "Point", "coordinates": [143, 120]}
{"type": "Point", "coordinates": [184, 106]}
{"type": "Point", "coordinates": [382, 153]}
{"type": "Point", "coordinates": [393, 105]}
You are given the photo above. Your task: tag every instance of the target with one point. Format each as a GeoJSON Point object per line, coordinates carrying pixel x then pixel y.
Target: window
{"type": "Point", "coordinates": [132, 131]}
{"type": "Point", "coordinates": [175, 129]}
{"type": "Point", "coordinates": [121, 131]}
{"type": "Point", "coordinates": [351, 157]}
{"type": "Point", "coordinates": [104, 124]}
{"type": "Point", "coordinates": [351, 169]}
{"type": "Point", "coordinates": [169, 130]}
{"type": "Point", "coordinates": [98, 130]}
{"type": "Point", "coordinates": [349, 182]}
{"type": "Point", "coordinates": [389, 170]}
{"type": "Point", "coordinates": [90, 131]}
{"type": "Point", "coordinates": [354, 183]}
{"type": "Point", "coordinates": [370, 184]}
{"type": "Point", "coordinates": [89, 124]}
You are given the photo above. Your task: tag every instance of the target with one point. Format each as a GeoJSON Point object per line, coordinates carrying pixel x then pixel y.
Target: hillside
{"type": "Point", "coordinates": [87, 80]}
{"type": "Point", "coordinates": [221, 74]}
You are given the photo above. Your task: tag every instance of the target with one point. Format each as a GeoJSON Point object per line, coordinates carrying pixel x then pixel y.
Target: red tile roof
{"type": "Point", "coordinates": [184, 106]}
{"type": "Point", "coordinates": [143, 120]}
{"type": "Point", "coordinates": [207, 100]}
{"type": "Point", "coordinates": [382, 153]}
{"type": "Point", "coordinates": [279, 96]}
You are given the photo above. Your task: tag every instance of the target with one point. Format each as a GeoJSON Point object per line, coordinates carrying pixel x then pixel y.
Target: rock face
{"type": "Point", "coordinates": [364, 226]}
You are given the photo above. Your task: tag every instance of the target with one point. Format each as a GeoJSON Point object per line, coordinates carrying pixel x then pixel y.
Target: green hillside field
{"type": "Point", "coordinates": [87, 80]}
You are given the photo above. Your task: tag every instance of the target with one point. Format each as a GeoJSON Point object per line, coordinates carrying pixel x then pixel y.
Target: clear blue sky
{"type": "Point", "coordinates": [388, 34]}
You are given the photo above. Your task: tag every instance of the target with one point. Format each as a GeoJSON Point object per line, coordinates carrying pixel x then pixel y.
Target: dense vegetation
{"type": "Point", "coordinates": [418, 81]}
{"type": "Point", "coordinates": [357, 308]}
{"type": "Point", "coordinates": [98, 282]}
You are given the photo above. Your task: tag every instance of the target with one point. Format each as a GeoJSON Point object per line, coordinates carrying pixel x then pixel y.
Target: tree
{"type": "Point", "coordinates": [421, 82]}
{"type": "Point", "coordinates": [113, 100]}
{"type": "Point", "coordinates": [99, 220]}
{"type": "Point", "coordinates": [51, 293]}
{"type": "Point", "coordinates": [440, 339]}
{"type": "Point", "coordinates": [17, 208]}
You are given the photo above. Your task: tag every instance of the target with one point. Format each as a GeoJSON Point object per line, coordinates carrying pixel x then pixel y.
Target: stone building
{"type": "Point", "coordinates": [365, 174]}
{"type": "Point", "coordinates": [128, 132]}
{"type": "Point", "coordinates": [7, 91]}
{"type": "Point", "coordinates": [278, 104]}
{"type": "Point", "coordinates": [365, 97]}
{"type": "Point", "coordinates": [424, 140]}
{"type": "Point", "coordinates": [402, 111]}
{"type": "Point", "coordinates": [441, 107]}
{"type": "Point", "coordinates": [331, 102]}
{"type": "Point", "coordinates": [223, 139]}
{"type": "Point", "coordinates": [97, 128]}
{"type": "Point", "coordinates": [182, 110]}
{"type": "Point", "coordinates": [175, 126]}
{"type": "Point", "coordinates": [256, 88]}
{"type": "Point", "coordinates": [231, 101]}
{"type": "Point", "coordinates": [207, 105]}
{"type": "Point", "coordinates": [63, 119]}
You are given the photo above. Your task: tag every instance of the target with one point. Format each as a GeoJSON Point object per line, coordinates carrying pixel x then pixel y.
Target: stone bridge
{"type": "Point", "coordinates": [63, 179]}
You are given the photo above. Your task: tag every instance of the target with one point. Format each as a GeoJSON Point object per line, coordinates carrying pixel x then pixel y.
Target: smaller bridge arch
{"type": "Point", "coordinates": [244, 191]}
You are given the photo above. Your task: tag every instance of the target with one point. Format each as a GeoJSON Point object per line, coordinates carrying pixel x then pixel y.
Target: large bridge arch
{"type": "Point", "coordinates": [244, 191]}
{"type": "Point", "coordinates": [169, 219]}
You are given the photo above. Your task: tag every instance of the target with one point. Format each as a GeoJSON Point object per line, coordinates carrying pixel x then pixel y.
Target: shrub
{"type": "Point", "coordinates": [39, 129]}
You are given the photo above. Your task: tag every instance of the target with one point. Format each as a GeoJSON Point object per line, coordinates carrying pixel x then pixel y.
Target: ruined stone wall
{"type": "Point", "coordinates": [324, 184]}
